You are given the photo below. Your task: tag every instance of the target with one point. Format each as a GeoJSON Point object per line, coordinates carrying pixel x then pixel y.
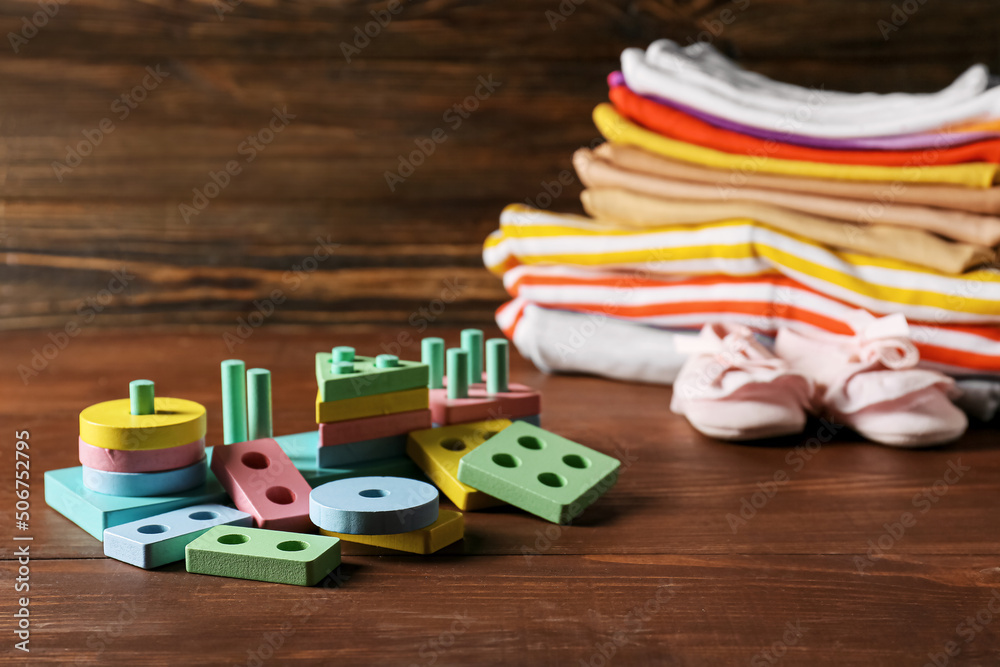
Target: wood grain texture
{"type": "Point", "coordinates": [653, 573]}
{"type": "Point", "coordinates": [324, 175]}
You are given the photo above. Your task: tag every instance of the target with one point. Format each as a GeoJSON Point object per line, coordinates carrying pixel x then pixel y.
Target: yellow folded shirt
{"type": "Point", "coordinates": [631, 210]}
{"type": "Point", "coordinates": [617, 129]}
{"type": "Point", "coordinates": [744, 248]}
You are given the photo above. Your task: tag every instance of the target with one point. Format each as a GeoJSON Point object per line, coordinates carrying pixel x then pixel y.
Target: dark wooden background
{"type": "Point", "coordinates": [323, 176]}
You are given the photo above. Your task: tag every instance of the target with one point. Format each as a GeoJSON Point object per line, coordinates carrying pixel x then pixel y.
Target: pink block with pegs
{"type": "Point", "coordinates": [459, 402]}
{"type": "Point", "coordinates": [264, 483]}
{"type": "Point", "coordinates": [479, 405]}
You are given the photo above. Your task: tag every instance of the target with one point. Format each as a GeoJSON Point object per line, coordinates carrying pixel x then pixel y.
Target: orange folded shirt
{"type": "Point", "coordinates": [678, 125]}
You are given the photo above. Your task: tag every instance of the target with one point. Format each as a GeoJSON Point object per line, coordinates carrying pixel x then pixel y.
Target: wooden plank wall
{"type": "Point", "coordinates": [225, 65]}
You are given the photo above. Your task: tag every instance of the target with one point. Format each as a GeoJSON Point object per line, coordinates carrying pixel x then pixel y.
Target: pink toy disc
{"type": "Point", "coordinates": [141, 460]}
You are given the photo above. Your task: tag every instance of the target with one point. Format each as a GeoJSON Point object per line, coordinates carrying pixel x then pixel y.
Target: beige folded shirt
{"type": "Point", "coordinates": [625, 208]}
{"type": "Point", "coordinates": [870, 193]}
{"type": "Point", "coordinates": [598, 172]}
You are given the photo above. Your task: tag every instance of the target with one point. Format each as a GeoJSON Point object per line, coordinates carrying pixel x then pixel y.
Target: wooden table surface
{"type": "Point", "coordinates": [659, 572]}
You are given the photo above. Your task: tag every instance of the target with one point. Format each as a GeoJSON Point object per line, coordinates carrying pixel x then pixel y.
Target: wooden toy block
{"type": "Point", "coordinates": [234, 401]}
{"type": "Point", "coordinates": [457, 384]}
{"type": "Point", "coordinates": [264, 483]}
{"type": "Point", "coordinates": [141, 394]}
{"type": "Point", "coordinates": [112, 425]}
{"type": "Point", "coordinates": [301, 448]}
{"type": "Point", "coordinates": [370, 428]}
{"type": "Point", "coordinates": [370, 406]}
{"type": "Point", "coordinates": [366, 376]}
{"type": "Point", "coordinates": [448, 529]}
{"type": "Point", "coordinates": [161, 539]}
{"type": "Point", "coordinates": [263, 555]}
{"type": "Point", "coordinates": [94, 512]}
{"type": "Point", "coordinates": [437, 452]}
{"type": "Point", "coordinates": [472, 343]}
{"type": "Point", "coordinates": [540, 472]}
{"type": "Point", "coordinates": [146, 484]}
{"type": "Point", "coordinates": [141, 460]}
{"type": "Point", "coordinates": [373, 505]}
{"type": "Point", "coordinates": [517, 402]}
{"type": "Point", "coordinates": [432, 354]}
{"type": "Point", "coordinates": [259, 424]}
{"type": "Point", "coordinates": [392, 446]}
{"type": "Point", "coordinates": [534, 420]}
{"type": "Point", "coordinates": [497, 366]}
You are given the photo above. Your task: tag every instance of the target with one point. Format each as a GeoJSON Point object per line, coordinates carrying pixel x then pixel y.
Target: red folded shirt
{"type": "Point", "coordinates": [683, 127]}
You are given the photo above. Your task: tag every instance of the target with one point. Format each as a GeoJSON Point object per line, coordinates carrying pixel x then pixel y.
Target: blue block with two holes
{"type": "Point", "coordinates": [540, 472]}
{"type": "Point", "coordinates": [303, 450]}
{"type": "Point", "coordinates": [161, 539]}
{"type": "Point", "coordinates": [92, 511]}
{"type": "Point", "coordinates": [363, 451]}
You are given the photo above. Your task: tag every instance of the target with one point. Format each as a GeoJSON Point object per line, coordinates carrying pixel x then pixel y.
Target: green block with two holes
{"type": "Point", "coordinates": [539, 472]}
{"type": "Point", "coordinates": [368, 376]}
{"type": "Point", "coordinates": [263, 555]}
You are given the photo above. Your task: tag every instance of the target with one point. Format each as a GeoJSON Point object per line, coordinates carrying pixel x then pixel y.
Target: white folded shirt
{"type": "Point", "coordinates": [813, 116]}
{"type": "Point", "coordinates": [702, 65]}
{"type": "Point", "coordinates": [559, 341]}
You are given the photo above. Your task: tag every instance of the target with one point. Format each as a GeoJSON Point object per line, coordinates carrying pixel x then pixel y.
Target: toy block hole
{"type": "Point", "coordinates": [576, 461]}
{"type": "Point", "coordinates": [233, 538]}
{"type": "Point", "coordinates": [292, 545]}
{"type": "Point", "coordinates": [531, 442]}
{"type": "Point", "coordinates": [280, 495]}
{"type": "Point", "coordinates": [453, 444]}
{"type": "Point", "coordinates": [552, 479]}
{"type": "Point", "coordinates": [255, 460]}
{"type": "Point", "coordinates": [373, 493]}
{"type": "Point", "coordinates": [203, 515]}
{"type": "Point", "coordinates": [506, 460]}
{"type": "Point", "coordinates": [153, 529]}
{"type": "Point", "coordinates": [489, 434]}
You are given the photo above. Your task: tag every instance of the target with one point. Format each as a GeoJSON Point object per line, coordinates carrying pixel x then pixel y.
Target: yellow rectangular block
{"type": "Point", "coordinates": [448, 529]}
{"type": "Point", "coordinates": [437, 452]}
{"type": "Point", "coordinates": [370, 406]}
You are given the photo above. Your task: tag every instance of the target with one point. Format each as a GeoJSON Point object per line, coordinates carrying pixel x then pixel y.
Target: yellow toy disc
{"type": "Point", "coordinates": [112, 425]}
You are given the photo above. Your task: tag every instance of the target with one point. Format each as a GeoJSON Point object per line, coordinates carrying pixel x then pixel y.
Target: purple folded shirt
{"type": "Point", "coordinates": [898, 142]}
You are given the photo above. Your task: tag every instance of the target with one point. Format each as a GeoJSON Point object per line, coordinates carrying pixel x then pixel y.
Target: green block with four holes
{"type": "Point", "coordinates": [367, 376]}
{"type": "Point", "coordinates": [263, 555]}
{"type": "Point", "coordinates": [539, 471]}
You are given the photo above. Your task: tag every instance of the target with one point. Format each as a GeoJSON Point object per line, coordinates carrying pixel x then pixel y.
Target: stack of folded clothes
{"type": "Point", "coordinates": [724, 197]}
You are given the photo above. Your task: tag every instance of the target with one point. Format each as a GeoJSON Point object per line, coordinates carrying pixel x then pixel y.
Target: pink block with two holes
{"type": "Point", "coordinates": [518, 401]}
{"type": "Point", "coordinates": [370, 428]}
{"type": "Point", "coordinates": [141, 460]}
{"type": "Point", "coordinates": [263, 482]}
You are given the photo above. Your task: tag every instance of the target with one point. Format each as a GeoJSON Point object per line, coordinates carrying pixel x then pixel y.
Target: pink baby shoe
{"type": "Point", "coordinates": [869, 382]}
{"type": "Point", "coordinates": [734, 388]}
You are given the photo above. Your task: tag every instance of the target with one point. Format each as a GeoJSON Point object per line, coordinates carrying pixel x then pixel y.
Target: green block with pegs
{"type": "Point", "coordinates": [539, 472]}
{"type": "Point", "coordinates": [340, 379]}
{"type": "Point", "coordinates": [263, 555]}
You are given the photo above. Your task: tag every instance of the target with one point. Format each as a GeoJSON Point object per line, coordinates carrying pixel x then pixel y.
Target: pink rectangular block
{"type": "Point", "coordinates": [370, 428]}
{"type": "Point", "coordinates": [518, 401]}
{"type": "Point", "coordinates": [264, 483]}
